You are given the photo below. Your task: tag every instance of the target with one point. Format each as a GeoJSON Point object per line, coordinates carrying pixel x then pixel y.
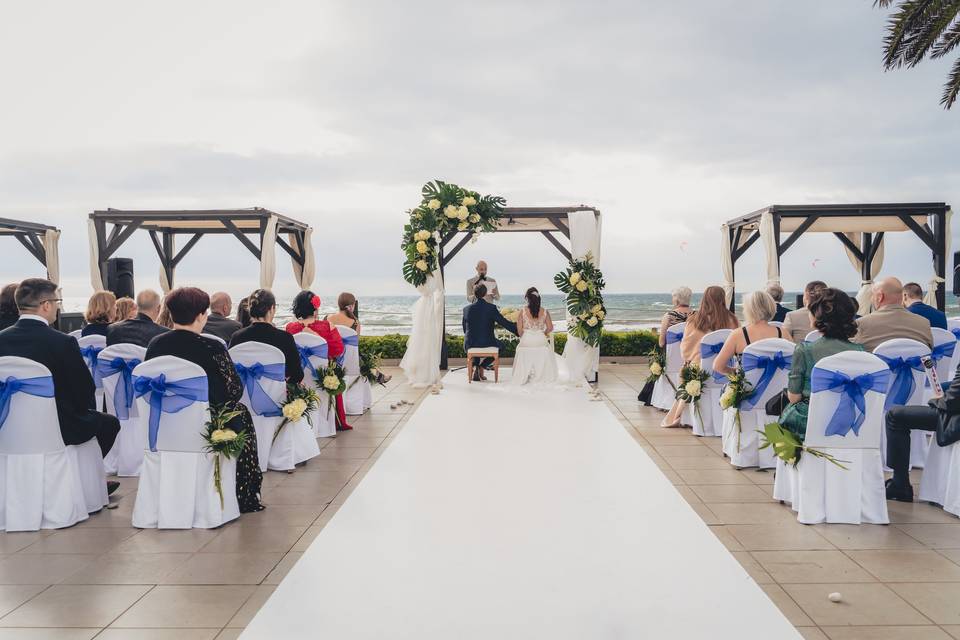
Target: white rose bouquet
{"type": "Point", "coordinates": [222, 441]}
{"type": "Point", "coordinates": [690, 388]}
{"type": "Point", "coordinates": [301, 402]}
{"type": "Point", "coordinates": [582, 282]}
{"type": "Point", "coordinates": [333, 381]}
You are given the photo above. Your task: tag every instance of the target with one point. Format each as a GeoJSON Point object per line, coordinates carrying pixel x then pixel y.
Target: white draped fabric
{"type": "Point", "coordinates": [268, 258]}
{"type": "Point", "coordinates": [421, 362]}
{"type": "Point", "coordinates": [768, 237]}
{"type": "Point", "coordinates": [51, 247]}
{"type": "Point", "coordinates": [726, 262]}
{"type": "Point", "coordinates": [96, 279]}
{"type": "Point", "coordinates": [865, 291]}
{"type": "Point", "coordinates": [931, 296]}
{"type": "Point", "coordinates": [583, 361]}
{"type": "Point", "coordinates": [305, 274]}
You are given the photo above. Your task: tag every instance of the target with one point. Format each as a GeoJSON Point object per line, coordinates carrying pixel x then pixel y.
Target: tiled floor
{"type": "Point", "coordinates": [107, 580]}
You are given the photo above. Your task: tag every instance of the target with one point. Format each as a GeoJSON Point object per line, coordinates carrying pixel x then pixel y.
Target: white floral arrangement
{"type": "Point", "coordinates": [583, 284]}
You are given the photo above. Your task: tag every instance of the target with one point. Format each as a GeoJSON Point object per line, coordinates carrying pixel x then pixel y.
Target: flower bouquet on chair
{"type": "Point", "coordinates": [692, 378]}
{"type": "Point", "coordinates": [787, 446]}
{"type": "Point", "coordinates": [333, 380]}
{"type": "Point", "coordinates": [736, 391]}
{"type": "Point", "coordinates": [369, 364]}
{"type": "Point", "coordinates": [300, 403]}
{"type": "Point", "coordinates": [222, 441]}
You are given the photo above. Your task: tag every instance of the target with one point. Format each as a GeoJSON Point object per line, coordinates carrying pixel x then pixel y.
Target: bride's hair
{"type": "Point", "coordinates": [533, 301]}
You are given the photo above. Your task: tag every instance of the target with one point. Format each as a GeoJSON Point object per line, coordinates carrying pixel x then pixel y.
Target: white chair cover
{"type": "Point", "coordinates": [176, 487]}
{"type": "Point", "coordinates": [77, 333]}
{"type": "Point", "coordinates": [906, 348]}
{"type": "Point", "coordinates": [945, 354]}
{"type": "Point", "coordinates": [665, 389]}
{"type": "Point", "coordinates": [325, 422]}
{"type": "Point", "coordinates": [359, 396]}
{"type": "Point", "coordinates": [90, 347]}
{"type": "Point", "coordinates": [953, 326]}
{"type": "Point", "coordinates": [213, 337]}
{"type": "Point", "coordinates": [126, 456]}
{"type": "Point", "coordinates": [295, 443]}
{"type": "Point", "coordinates": [775, 323]}
{"type": "Point", "coordinates": [813, 336]}
{"type": "Point", "coordinates": [940, 482]}
{"type": "Point", "coordinates": [709, 420]}
{"type": "Point", "coordinates": [747, 454]}
{"type": "Point", "coordinates": [40, 482]}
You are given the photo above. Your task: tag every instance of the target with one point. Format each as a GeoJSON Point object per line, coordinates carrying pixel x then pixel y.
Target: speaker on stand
{"type": "Point", "coordinates": [120, 277]}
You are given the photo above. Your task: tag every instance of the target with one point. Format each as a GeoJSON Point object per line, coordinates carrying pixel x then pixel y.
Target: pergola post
{"type": "Point", "coordinates": [940, 257]}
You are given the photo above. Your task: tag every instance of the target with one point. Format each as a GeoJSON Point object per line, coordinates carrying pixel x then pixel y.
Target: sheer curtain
{"type": "Point", "coordinates": [96, 278]}
{"type": "Point", "coordinates": [864, 293]}
{"type": "Point", "coordinates": [306, 273]}
{"type": "Point", "coordinates": [421, 361]}
{"type": "Point", "coordinates": [726, 262]}
{"type": "Point", "coordinates": [268, 257]}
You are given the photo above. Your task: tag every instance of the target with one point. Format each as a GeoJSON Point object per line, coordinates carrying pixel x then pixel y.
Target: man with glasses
{"type": "Point", "coordinates": [33, 338]}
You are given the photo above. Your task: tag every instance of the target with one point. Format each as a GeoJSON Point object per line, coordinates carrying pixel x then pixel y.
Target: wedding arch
{"type": "Point", "coordinates": [41, 240]}
{"type": "Point", "coordinates": [859, 227]}
{"type": "Point", "coordinates": [267, 228]}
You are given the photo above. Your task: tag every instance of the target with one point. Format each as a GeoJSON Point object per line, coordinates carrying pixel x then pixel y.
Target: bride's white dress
{"type": "Point", "coordinates": [535, 361]}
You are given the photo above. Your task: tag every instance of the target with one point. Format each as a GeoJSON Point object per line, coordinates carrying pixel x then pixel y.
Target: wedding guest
{"type": "Point", "coordinates": [218, 322]}
{"type": "Point", "coordinates": [33, 338]}
{"type": "Point", "coordinates": [306, 307]}
{"type": "Point", "coordinates": [263, 307]}
{"type": "Point", "coordinates": [890, 320]}
{"type": "Point", "coordinates": [913, 301]}
{"type": "Point", "coordinates": [832, 314]}
{"type": "Point", "coordinates": [141, 329]}
{"type": "Point", "coordinates": [126, 309]}
{"type": "Point", "coordinates": [493, 293]}
{"type": "Point", "coordinates": [243, 312]}
{"type": "Point", "coordinates": [101, 312]}
{"type": "Point", "coordinates": [8, 306]}
{"type": "Point", "coordinates": [188, 311]}
{"type": "Point", "coordinates": [797, 323]}
{"type": "Point", "coordinates": [680, 298]}
{"type": "Point", "coordinates": [758, 310]}
{"type": "Point", "coordinates": [346, 316]}
{"type": "Point", "coordinates": [776, 292]}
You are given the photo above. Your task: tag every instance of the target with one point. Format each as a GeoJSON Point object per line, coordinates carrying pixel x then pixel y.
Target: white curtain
{"type": "Point", "coordinates": [96, 278]}
{"type": "Point", "coordinates": [865, 293]}
{"type": "Point", "coordinates": [268, 254]}
{"type": "Point", "coordinates": [931, 296]}
{"type": "Point", "coordinates": [583, 361]}
{"type": "Point", "coordinates": [51, 246]}
{"type": "Point", "coordinates": [166, 285]}
{"type": "Point", "coordinates": [726, 262]}
{"type": "Point", "coordinates": [769, 239]}
{"type": "Point", "coordinates": [421, 361]}
{"type": "Point", "coordinates": [305, 274]}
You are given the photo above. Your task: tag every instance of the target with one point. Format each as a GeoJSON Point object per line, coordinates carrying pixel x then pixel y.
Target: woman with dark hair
{"type": "Point", "coordinates": [262, 306]}
{"type": "Point", "coordinates": [831, 313]}
{"type": "Point", "coordinates": [187, 307]}
{"type": "Point", "coordinates": [9, 313]}
{"type": "Point", "coordinates": [535, 360]}
{"type": "Point", "coordinates": [243, 312]}
{"type": "Point", "coordinates": [306, 307]}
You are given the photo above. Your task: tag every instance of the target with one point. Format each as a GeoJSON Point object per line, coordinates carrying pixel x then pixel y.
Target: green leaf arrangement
{"type": "Point", "coordinates": [582, 283]}
{"type": "Point", "coordinates": [333, 381]}
{"type": "Point", "coordinates": [788, 447]}
{"type": "Point", "coordinates": [301, 402]}
{"type": "Point", "coordinates": [221, 440]}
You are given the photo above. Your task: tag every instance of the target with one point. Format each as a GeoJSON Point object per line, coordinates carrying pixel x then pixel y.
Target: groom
{"type": "Point", "coordinates": [479, 318]}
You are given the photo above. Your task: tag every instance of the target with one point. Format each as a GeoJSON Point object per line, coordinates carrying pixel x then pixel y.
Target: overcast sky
{"type": "Point", "coordinates": [669, 117]}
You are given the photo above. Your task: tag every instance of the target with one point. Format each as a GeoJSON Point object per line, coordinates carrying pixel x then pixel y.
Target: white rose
{"type": "Point", "coordinates": [655, 368]}
{"type": "Point", "coordinates": [592, 321]}
{"type": "Point", "coordinates": [474, 218]}
{"type": "Point", "coordinates": [693, 388]}
{"type": "Point", "coordinates": [596, 308]}
{"type": "Point", "coordinates": [463, 213]}
{"type": "Point", "coordinates": [463, 226]}
{"type": "Point", "coordinates": [581, 286]}
{"type": "Point", "coordinates": [421, 264]}
{"type": "Point", "coordinates": [726, 399]}
{"type": "Point", "coordinates": [423, 234]}
{"type": "Point", "coordinates": [469, 201]}
{"type": "Point", "coordinates": [601, 314]}
{"type": "Point", "coordinates": [422, 247]}
{"type": "Point", "coordinates": [450, 211]}
{"type": "Point", "coordinates": [575, 277]}
{"type": "Point", "coordinates": [433, 204]}
{"type": "Point", "coordinates": [331, 382]}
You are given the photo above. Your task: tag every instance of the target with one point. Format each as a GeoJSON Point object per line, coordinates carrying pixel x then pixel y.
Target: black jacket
{"type": "Point", "coordinates": [96, 329]}
{"type": "Point", "coordinates": [221, 326]}
{"type": "Point", "coordinates": [479, 319]}
{"type": "Point", "coordinates": [268, 334]}
{"type": "Point", "coordinates": [139, 331]}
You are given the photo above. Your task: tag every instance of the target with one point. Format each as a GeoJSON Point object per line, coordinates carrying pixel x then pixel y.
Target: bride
{"type": "Point", "coordinates": [535, 361]}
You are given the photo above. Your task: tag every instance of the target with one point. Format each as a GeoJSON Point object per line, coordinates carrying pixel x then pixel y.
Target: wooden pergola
{"type": "Point", "coordinates": [36, 239]}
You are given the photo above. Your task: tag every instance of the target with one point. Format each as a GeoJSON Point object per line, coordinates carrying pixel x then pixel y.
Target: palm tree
{"type": "Point", "coordinates": [921, 28]}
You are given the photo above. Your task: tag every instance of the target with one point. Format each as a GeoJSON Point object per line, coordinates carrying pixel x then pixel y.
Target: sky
{"type": "Point", "coordinates": [671, 118]}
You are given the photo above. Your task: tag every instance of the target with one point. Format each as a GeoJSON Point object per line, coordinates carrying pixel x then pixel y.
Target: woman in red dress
{"type": "Point", "coordinates": [306, 308]}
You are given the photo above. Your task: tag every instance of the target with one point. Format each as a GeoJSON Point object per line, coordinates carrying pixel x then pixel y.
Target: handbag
{"type": "Point", "coordinates": [776, 404]}
{"type": "Point", "coordinates": [646, 393]}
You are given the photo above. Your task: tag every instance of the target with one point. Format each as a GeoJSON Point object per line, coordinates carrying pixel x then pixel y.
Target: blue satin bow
{"type": "Point", "coordinates": [90, 353]}
{"type": "Point", "coordinates": [770, 366]}
{"type": "Point", "coordinates": [353, 341]}
{"type": "Point", "coordinates": [956, 332]}
{"type": "Point", "coordinates": [711, 350]}
{"type": "Point", "coordinates": [903, 384]}
{"type": "Point", "coordinates": [168, 397]}
{"type": "Point", "coordinates": [123, 393]}
{"type": "Point", "coordinates": [674, 337]}
{"type": "Point", "coordinates": [318, 351]}
{"type": "Point", "coordinates": [851, 409]}
{"type": "Point", "coordinates": [944, 350]}
{"type": "Point", "coordinates": [41, 386]}
{"type": "Point", "coordinates": [261, 403]}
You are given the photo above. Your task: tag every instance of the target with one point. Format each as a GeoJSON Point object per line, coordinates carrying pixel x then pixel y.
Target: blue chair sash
{"type": "Point", "coordinates": [770, 365]}
{"type": "Point", "coordinates": [168, 397]}
{"type": "Point", "coordinates": [123, 394]}
{"type": "Point", "coordinates": [942, 351]}
{"type": "Point", "coordinates": [851, 410]}
{"type": "Point", "coordinates": [41, 387]}
{"type": "Point", "coordinates": [90, 353]}
{"type": "Point", "coordinates": [711, 351]}
{"type": "Point", "coordinates": [902, 386]}
{"type": "Point", "coordinates": [260, 402]}
{"type": "Point", "coordinates": [956, 332]}
{"type": "Point", "coordinates": [672, 337]}
{"type": "Point", "coordinates": [318, 351]}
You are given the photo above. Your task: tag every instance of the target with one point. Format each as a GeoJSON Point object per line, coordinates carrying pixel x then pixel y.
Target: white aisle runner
{"type": "Point", "coordinates": [500, 513]}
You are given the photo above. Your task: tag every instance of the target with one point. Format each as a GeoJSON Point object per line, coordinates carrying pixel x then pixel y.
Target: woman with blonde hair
{"type": "Point", "coordinates": [101, 311]}
{"type": "Point", "coordinates": [758, 310]}
{"type": "Point", "coordinates": [126, 309]}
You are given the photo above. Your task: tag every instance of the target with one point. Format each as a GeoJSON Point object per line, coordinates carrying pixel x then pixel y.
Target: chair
{"type": "Point", "coordinates": [90, 348]}
{"type": "Point", "coordinates": [115, 365]}
{"type": "Point", "coordinates": [953, 326]}
{"type": "Point", "coordinates": [313, 357]}
{"type": "Point", "coordinates": [819, 490]}
{"type": "Point", "coordinates": [813, 336]}
{"type": "Point", "coordinates": [76, 333]}
{"type": "Point", "coordinates": [40, 481]}
{"type": "Point", "coordinates": [176, 488]}
{"type": "Point", "coordinates": [262, 368]}
{"type": "Point", "coordinates": [709, 421]}
{"type": "Point", "coordinates": [359, 396]}
{"type": "Point", "coordinates": [940, 482]}
{"type": "Point", "coordinates": [945, 355]}
{"type": "Point", "coordinates": [665, 389]}
{"type": "Point", "coordinates": [766, 364]}
{"type": "Point", "coordinates": [904, 358]}
{"type": "Point", "coordinates": [484, 353]}
{"type": "Point", "coordinates": [213, 337]}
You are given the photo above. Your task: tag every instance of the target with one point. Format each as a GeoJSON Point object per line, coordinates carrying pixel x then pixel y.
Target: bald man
{"type": "Point", "coordinates": [141, 329]}
{"type": "Point", "coordinates": [492, 292]}
{"type": "Point", "coordinates": [890, 319]}
{"type": "Point", "coordinates": [218, 322]}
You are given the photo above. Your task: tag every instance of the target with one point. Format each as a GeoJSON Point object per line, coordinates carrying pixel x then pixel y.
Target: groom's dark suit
{"type": "Point", "coordinates": [479, 320]}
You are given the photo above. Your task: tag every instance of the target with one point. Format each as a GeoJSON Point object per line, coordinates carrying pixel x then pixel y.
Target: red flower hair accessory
{"type": "Point", "coordinates": [315, 301]}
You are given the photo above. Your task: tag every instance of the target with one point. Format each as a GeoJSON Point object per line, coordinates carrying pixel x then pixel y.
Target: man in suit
{"type": "Point", "coordinates": [797, 323]}
{"type": "Point", "coordinates": [891, 320]}
{"type": "Point", "coordinates": [482, 278]}
{"type": "Point", "coordinates": [33, 338]}
{"type": "Point", "coordinates": [218, 324]}
{"type": "Point", "coordinates": [913, 301]}
{"type": "Point", "coordinates": [776, 292]}
{"type": "Point", "coordinates": [141, 329]}
{"type": "Point", "coordinates": [479, 320]}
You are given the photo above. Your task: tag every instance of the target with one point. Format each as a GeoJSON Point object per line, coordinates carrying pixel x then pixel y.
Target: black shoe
{"type": "Point", "coordinates": [476, 376]}
{"type": "Point", "coordinates": [900, 494]}
{"type": "Point", "coordinates": [112, 485]}
{"type": "Point", "coordinates": [488, 367]}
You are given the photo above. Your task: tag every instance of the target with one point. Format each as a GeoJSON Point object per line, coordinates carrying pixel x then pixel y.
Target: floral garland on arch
{"type": "Point", "coordinates": [583, 283]}
{"type": "Point", "coordinates": [444, 207]}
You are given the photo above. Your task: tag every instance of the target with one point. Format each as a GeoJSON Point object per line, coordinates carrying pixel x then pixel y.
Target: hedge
{"type": "Point", "coordinates": [612, 343]}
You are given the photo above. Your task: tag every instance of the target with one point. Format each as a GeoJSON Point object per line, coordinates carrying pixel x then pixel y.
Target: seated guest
{"type": "Point", "coordinates": [219, 323]}
{"type": "Point", "coordinates": [243, 312]}
{"type": "Point", "coordinates": [126, 309]}
{"type": "Point", "coordinates": [263, 307]}
{"type": "Point", "coordinates": [163, 317]}
{"type": "Point", "coordinates": [188, 311]}
{"type": "Point", "coordinates": [890, 320]}
{"type": "Point", "coordinates": [680, 298]}
{"type": "Point", "coordinates": [776, 292]}
{"type": "Point", "coordinates": [346, 316]}
{"type": "Point", "coordinates": [832, 312]}
{"type": "Point", "coordinates": [101, 310]}
{"type": "Point", "coordinates": [913, 301]}
{"type": "Point", "coordinates": [33, 338]}
{"type": "Point", "coordinates": [797, 325]}
{"type": "Point", "coordinates": [141, 329]}
{"type": "Point", "coordinates": [8, 306]}
{"type": "Point", "coordinates": [758, 309]}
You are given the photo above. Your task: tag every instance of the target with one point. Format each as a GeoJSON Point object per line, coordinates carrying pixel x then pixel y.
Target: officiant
{"type": "Point", "coordinates": [482, 278]}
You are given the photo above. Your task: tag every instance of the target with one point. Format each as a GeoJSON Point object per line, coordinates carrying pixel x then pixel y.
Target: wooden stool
{"type": "Point", "coordinates": [480, 353]}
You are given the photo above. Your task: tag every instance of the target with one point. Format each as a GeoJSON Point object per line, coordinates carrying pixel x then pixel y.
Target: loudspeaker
{"type": "Point", "coordinates": [799, 301]}
{"type": "Point", "coordinates": [120, 277]}
{"type": "Point", "coordinates": [956, 273]}
{"type": "Point", "coordinates": [68, 322]}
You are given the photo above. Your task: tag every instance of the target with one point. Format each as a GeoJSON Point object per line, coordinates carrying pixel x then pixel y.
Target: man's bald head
{"type": "Point", "coordinates": [221, 303]}
{"type": "Point", "coordinates": [886, 292]}
{"type": "Point", "coordinates": [481, 268]}
{"type": "Point", "coordinates": [148, 303]}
